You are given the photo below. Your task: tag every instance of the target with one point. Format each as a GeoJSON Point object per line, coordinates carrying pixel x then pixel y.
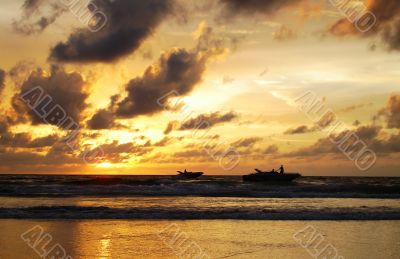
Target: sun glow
{"type": "Point", "coordinates": [105, 165]}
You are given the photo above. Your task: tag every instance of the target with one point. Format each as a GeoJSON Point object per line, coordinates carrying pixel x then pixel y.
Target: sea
{"type": "Point", "coordinates": [97, 216]}
{"type": "Point", "coordinates": [210, 197]}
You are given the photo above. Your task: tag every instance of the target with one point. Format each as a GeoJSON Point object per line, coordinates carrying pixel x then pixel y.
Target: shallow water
{"type": "Point", "coordinates": [199, 208]}
{"type": "Point", "coordinates": [216, 238]}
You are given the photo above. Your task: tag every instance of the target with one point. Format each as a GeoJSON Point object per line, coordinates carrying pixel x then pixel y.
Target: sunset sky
{"type": "Point", "coordinates": [171, 84]}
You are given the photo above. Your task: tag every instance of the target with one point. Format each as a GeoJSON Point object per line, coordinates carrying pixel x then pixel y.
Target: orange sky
{"type": "Point", "coordinates": [212, 86]}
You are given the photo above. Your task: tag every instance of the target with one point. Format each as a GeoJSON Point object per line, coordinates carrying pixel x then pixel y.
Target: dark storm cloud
{"type": "Point", "coordinates": [387, 23]}
{"type": "Point", "coordinates": [326, 145]}
{"type": "Point", "coordinates": [323, 123]}
{"type": "Point", "coordinates": [118, 153]}
{"type": "Point", "coordinates": [14, 140]}
{"type": "Point", "coordinates": [326, 120]}
{"type": "Point", "coordinates": [170, 127]}
{"type": "Point", "coordinates": [387, 13]}
{"type": "Point", "coordinates": [374, 137]}
{"type": "Point", "coordinates": [370, 135]}
{"type": "Point", "coordinates": [33, 21]}
{"type": "Point", "coordinates": [201, 122]}
{"type": "Point", "coordinates": [29, 161]}
{"type": "Point", "coordinates": [254, 147]}
{"type": "Point", "coordinates": [361, 140]}
{"type": "Point", "coordinates": [206, 121]}
{"type": "Point", "coordinates": [179, 70]}
{"type": "Point", "coordinates": [356, 123]}
{"type": "Point", "coordinates": [128, 24]}
{"type": "Point", "coordinates": [271, 150]}
{"type": "Point", "coordinates": [391, 112]}
{"type": "Point", "coordinates": [246, 142]}
{"type": "Point", "coordinates": [2, 80]}
{"type": "Point", "coordinates": [9, 139]}
{"type": "Point", "coordinates": [194, 155]}
{"type": "Point", "coordinates": [299, 130]}
{"type": "Point", "coordinates": [103, 119]}
{"type": "Point", "coordinates": [13, 160]}
{"type": "Point", "coordinates": [24, 140]}
{"type": "Point", "coordinates": [47, 141]}
{"type": "Point", "coordinates": [163, 142]}
{"type": "Point", "coordinates": [251, 7]}
{"type": "Point", "coordinates": [175, 74]}
{"type": "Point", "coordinates": [18, 114]}
{"type": "Point", "coordinates": [354, 107]}
{"type": "Point", "coordinates": [65, 90]}
{"type": "Point", "coordinates": [31, 6]}
{"type": "Point", "coordinates": [21, 70]}
{"type": "Point", "coordinates": [178, 157]}
{"type": "Point", "coordinates": [3, 126]}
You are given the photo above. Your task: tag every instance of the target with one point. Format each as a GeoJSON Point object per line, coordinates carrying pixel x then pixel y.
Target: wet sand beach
{"type": "Point", "coordinates": [216, 238]}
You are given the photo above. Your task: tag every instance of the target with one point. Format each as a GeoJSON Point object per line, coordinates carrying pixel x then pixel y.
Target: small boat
{"type": "Point", "coordinates": [189, 175]}
{"type": "Point", "coordinates": [270, 177]}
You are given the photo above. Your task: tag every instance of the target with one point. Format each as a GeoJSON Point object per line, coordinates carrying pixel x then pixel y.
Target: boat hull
{"type": "Point", "coordinates": [270, 177]}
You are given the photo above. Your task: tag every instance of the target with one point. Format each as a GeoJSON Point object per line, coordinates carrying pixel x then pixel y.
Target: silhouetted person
{"type": "Point", "coordinates": [273, 171]}
{"type": "Point", "coordinates": [281, 170]}
{"type": "Point", "coordinates": [184, 172]}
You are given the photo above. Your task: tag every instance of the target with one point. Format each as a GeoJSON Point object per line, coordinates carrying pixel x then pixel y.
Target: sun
{"type": "Point", "coordinates": [104, 165]}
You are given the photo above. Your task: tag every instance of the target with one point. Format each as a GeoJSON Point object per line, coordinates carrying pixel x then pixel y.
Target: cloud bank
{"type": "Point", "coordinates": [129, 23]}
{"type": "Point", "coordinates": [175, 74]}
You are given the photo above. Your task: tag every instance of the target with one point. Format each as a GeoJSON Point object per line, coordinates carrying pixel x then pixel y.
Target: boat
{"type": "Point", "coordinates": [261, 176]}
{"type": "Point", "coordinates": [189, 175]}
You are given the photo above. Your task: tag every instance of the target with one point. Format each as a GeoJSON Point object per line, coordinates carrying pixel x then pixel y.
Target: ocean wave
{"type": "Point", "coordinates": [79, 212]}
{"type": "Point", "coordinates": [224, 186]}
{"type": "Point", "coordinates": [204, 190]}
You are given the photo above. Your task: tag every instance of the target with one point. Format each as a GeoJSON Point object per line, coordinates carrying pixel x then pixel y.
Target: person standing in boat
{"type": "Point", "coordinates": [281, 170]}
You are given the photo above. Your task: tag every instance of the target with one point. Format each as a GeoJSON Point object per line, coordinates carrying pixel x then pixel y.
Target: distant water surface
{"type": "Point", "coordinates": [214, 186]}
{"type": "Point", "coordinates": [210, 197]}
